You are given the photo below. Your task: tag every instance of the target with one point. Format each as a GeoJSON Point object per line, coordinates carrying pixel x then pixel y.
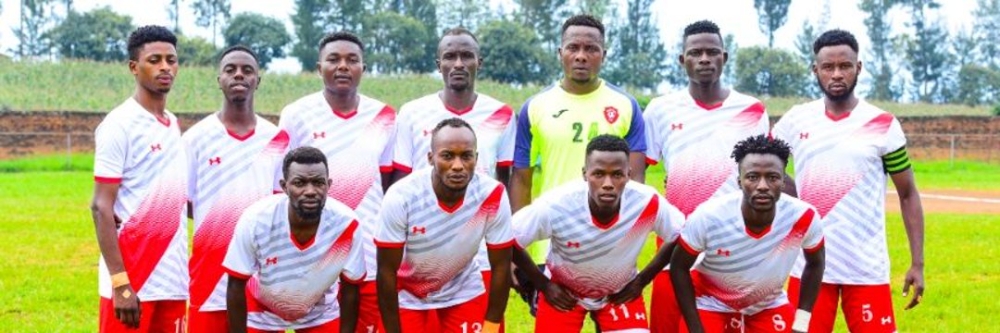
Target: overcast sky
{"type": "Point", "coordinates": [733, 16]}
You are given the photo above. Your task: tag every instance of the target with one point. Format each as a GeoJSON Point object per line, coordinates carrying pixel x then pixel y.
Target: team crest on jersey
{"type": "Point", "coordinates": [610, 114]}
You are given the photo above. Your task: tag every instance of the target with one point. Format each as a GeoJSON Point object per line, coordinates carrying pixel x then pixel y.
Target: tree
{"type": "Point", "coordinates": [729, 73]}
{"type": "Point", "coordinates": [675, 74]}
{"type": "Point", "coordinates": [423, 12]}
{"type": "Point", "coordinates": [265, 35]}
{"type": "Point", "coordinates": [545, 18]}
{"type": "Point", "coordinates": [986, 29]}
{"type": "Point", "coordinates": [964, 47]}
{"type": "Point", "coordinates": [771, 15]}
{"type": "Point", "coordinates": [927, 54]}
{"type": "Point", "coordinates": [978, 85]}
{"type": "Point", "coordinates": [463, 13]}
{"type": "Point", "coordinates": [309, 29]}
{"type": "Point", "coordinates": [769, 72]}
{"type": "Point", "coordinates": [174, 13]}
{"type": "Point", "coordinates": [882, 53]}
{"type": "Point", "coordinates": [211, 13]}
{"type": "Point", "coordinates": [396, 42]}
{"type": "Point", "coordinates": [99, 35]}
{"type": "Point", "coordinates": [638, 59]}
{"type": "Point", "coordinates": [347, 15]}
{"type": "Point", "coordinates": [512, 53]}
{"type": "Point", "coordinates": [196, 51]}
{"type": "Point", "coordinates": [804, 45]}
{"type": "Point", "coordinates": [36, 16]}
{"type": "Point", "coordinates": [600, 9]}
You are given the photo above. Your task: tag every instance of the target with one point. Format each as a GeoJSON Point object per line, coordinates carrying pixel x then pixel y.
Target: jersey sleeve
{"type": "Point", "coordinates": [814, 235]}
{"type": "Point", "coordinates": [782, 128]}
{"type": "Point", "coordinates": [895, 138]}
{"type": "Point", "coordinates": [523, 139]}
{"type": "Point", "coordinates": [498, 231]}
{"type": "Point", "coordinates": [392, 221]}
{"type": "Point", "coordinates": [505, 152]}
{"type": "Point", "coordinates": [241, 257]}
{"type": "Point", "coordinates": [388, 152]}
{"type": "Point", "coordinates": [764, 124]}
{"type": "Point", "coordinates": [692, 238]}
{"type": "Point", "coordinates": [402, 156]}
{"type": "Point", "coordinates": [668, 220]}
{"type": "Point", "coordinates": [192, 165]}
{"type": "Point", "coordinates": [531, 224]}
{"type": "Point", "coordinates": [654, 144]}
{"type": "Point", "coordinates": [636, 136]}
{"type": "Point", "coordinates": [287, 123]}
{"type": "Point", "coordinates": [354, 269]}
{"type": "Point", "coordinates": [110, 153]}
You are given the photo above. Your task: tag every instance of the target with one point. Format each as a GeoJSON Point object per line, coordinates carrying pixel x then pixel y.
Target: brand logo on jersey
{"type": "Point", "coordinates": [640, 316]}
{"type": "Point", "coordinates": [427, 132]}
{"type": "Point", "coordinates": [803, 135]}
{"type": "Point", "coordinates": [677, 126]}
{"type": "Point", "coordinates": [559, 113]}
{"type": "Point", "coordinates": [317, 135]}
{"type": "Point", "coordinates": [154, 147]}
{"type": "Point", "coordinates": [214, 161]}
{"type": "Point", "coordinates": [610, 114]}
{"type": "Point", "coordinates": [722, 252]}
{"type": "Point", "coordinates": [271, 261]}
{"type": "Point", "coordinates": [887, 320]}
{"type": "Point", "coordinates": [573, 244]}
{"type": "Point", "coordinates": [419, 230]}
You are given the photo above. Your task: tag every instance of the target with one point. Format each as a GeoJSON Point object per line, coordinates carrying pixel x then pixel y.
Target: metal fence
{"type": "Point", "coordinates": [922, 147]}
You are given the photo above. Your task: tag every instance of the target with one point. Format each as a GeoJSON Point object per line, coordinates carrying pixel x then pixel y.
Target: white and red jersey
{"type": "Point", "coordinates": [743, 271]}
{"type": "Point", "coordinates": [439, 242]}
{"type": "Point", "coordinates": [226, 174]}
{"type": "Point", "coordinates": [590, 259]}
{"type": "Point", "coordinates": [696, 140]}
{"type": "Point", "coordinates": [291, 283]}
{"type": "Point", "coordinates": [358, 149]}
{"type": "Point", "coordinates": [145, 156]}
{"type": "Point", "coordinates": [491, 120]}
{"type": "Point", "coordinates": [838, 169]}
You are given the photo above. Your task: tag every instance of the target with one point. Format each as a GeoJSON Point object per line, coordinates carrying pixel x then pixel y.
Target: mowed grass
{"type": "Point", "coordinates": [98, 87]}
{"type": "Point", "coordinates": [50, 267]}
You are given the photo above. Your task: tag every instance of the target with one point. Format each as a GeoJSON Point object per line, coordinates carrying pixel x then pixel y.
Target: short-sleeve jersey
{"type": "Point", "coordinates": [226, 174]}
{"type": "Point", "coordinates": [439, 242]}
{"type": "Point", "coordinates": [838, 169]}
{"type": "Point", "coordinates": [743, 271]}
{"type": "Point", "coordinates": [145, 156]}
{"type": "Point", "coordinates": [554, 127]}
{"type": "Point", "coordinates": [290, 284]}
{"type": "Point", "coordinates": [358, 150]}
{"type": "Point", "coordinates": [695, 141]}
{"type": "Point", "coordinates": [595, 260]}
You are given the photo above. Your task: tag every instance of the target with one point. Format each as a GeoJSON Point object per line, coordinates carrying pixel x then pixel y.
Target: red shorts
{"type": "Point", "coordinates": [663, 305]}
{"type": "Point", "coordinates": [154, 317]}
{"type": "Point", "coordinates": [867, 308]}
{"type": "Point", "coordinates": [610, 318]}
{"type": "Point", "coordinates": [208, 321]}
{"type": "Point", "coordinates": [332, 326]}
{"type": "Point", "coordinates": [487, 275]}
{"type": "Point", "coordinates": [774, 320]}
{"type": "Point", "coordinates": [369, 317]}
{"type": "Point", "coordinates": [461, 318]}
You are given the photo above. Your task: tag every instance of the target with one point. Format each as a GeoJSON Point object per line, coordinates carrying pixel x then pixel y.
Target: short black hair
{"type": "Point", "coordinates": [341, 35]}
{"type": "Point", "coordinates": [237, 48]}
{"type": "Point", "coordinates": [303, 155]}
{"type": "Point", "coordinates": [453, 122]}
{"type": "Point", "coordinates": [458, 31]}
{"type": "Point", "coordinates": [702, 27]}
{"type": "Point", "coordinates": [148, 34]}
{"type": "Point", "coordinates": [607, 142]}
{"type": "Point", "coordinates": [583, 20]}
{"type": "Point", "coordinates": [761, 144]}
{"type": "Point", "coordinates": [833, 38]}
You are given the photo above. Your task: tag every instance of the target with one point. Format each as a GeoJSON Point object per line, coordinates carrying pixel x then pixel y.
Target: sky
{"type": "Point", "coordinates": [733, 16]}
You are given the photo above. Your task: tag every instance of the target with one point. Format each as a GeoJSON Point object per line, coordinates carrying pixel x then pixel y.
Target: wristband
{"type": "Point", "coordinates": [119, 280]}
{"type": "Point", "coordinates": [801, 323]}
{"type": "Point", "coordinates": [490, 327]}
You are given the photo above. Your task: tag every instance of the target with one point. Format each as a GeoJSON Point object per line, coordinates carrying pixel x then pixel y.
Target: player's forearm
{"type": "Point", "coordinates": [236, 305]}
{"type": "Point", "coordinates": [523, 262]}
{"type": "Point", "coordinates": [913, 220]}
{"type": "Point", "coordinates": [637, 166]}
{"type": "Point", "coordinates": [350, 300]}
{"type": "Point", "coordinates": [503, 175]}
{"type": "Point", "coordinates": [655, 266]}
{"type": "Point", "coordinates": [388, 300]}
{"type": "Point", "coordinates": [499, 288]}
{"type": "Point", "coordinates": [812, 278]}
{"type": "Point", "coordinates": [107, 237]}
{"type": "Point", "coordinates": [520, 189]}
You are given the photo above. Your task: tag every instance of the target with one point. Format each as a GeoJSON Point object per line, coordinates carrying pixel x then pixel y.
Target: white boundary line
{"type": "Point", "coordinates": [955, 198]}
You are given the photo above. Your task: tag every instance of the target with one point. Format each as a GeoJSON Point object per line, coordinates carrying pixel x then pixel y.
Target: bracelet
{"type": "Point", "coordinates": [490, 327]}
{"type": "Point", "coordinates": [801, 323]}
{"type": "Point", "coordinates": [118, 280]}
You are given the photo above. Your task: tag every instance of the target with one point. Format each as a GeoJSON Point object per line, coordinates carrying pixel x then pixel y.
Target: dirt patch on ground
{"type": "Point", "coordinates": [952, 201]}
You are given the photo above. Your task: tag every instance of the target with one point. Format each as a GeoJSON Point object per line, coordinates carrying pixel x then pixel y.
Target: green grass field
{"type": "Point", "coordinates": [98, 87]}
{"type": "Point", "coordinates": [49, 272]}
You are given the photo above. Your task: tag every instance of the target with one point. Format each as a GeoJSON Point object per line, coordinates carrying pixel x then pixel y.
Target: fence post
{"type": "Point", "coordinates": [952, 152]}
{"type": "Point", "coordinates": [69, 151]}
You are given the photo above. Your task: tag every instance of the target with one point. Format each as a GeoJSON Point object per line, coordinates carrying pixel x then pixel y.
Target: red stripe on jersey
{"type": "Point", "coordinates": [836, 117]}
{"type": "Point", "coordinates": [108, 180]}
{"type": "Point", "coordinates": [750, 117]}
{"type": "Point", "coordinates": [501, 246]}
{"type": "Point", "coordinates": [599, 225]}
{"type": "Point", "coordinates": [301, 246]}
{"type": "Point", "coordinates": [878, 125]}
{"type": "Point", "coordinates": [389, 245]}
{"type": "Point", "coordinates": [651, 161]}
{"type": "Point", "coordinates": [401, 167]}
{"type": "Point", "coordinates": [342, 115]}
{"type": "Point", "coordinates": [241, 137]}
{"type": "Point", "coordinates": [799, 230]}
{"type": "Point", "coordinates": [687, 248]}
{"type": "Point", "coordinates": [211, 241]}
{"type": "Point", "coordinates": [708, 107]}
{"type": "Point", "coordinates": [147, 235]}
{"type": "Point", "coordinates": [504, 164]}
{"type": "Point", "coordinates": [499, 119]}
{"type": "Point", "coordinates": [279, 143]}
{"type": "Point", "coordinates": [457, 111]}
{"type": "Point", "coordinates": [452, 208]}
{"type": "Point", "coordinates": [340, 250]}
{"type": "Point", "coordinates": [235, 274]}
{"type": "Point", "coordinates": [385, 168]}
{"type": "Point", "coordinates": [756, 235]}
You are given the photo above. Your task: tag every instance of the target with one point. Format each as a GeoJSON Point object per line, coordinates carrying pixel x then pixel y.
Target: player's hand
{"type": "Point", "coordinates": [915, 278]}
{"type": "Point", "coordinates": [631, 290]}
{"type": "Point", "coordinates": [514, 282]}
{"type": "Point", "coordinates": [559, 298]}
{"type": "Point", "coordinates": [126, 304]}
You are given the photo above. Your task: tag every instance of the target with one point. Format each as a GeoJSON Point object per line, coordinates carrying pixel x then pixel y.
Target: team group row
{"type": "Point", "coordinates": [422, 231]}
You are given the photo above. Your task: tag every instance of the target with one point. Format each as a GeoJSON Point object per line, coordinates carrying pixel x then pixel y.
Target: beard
{"type": "Point", "coordinates": [838, 98]}
{"type": "Point", "coordinates": [308, 214]}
